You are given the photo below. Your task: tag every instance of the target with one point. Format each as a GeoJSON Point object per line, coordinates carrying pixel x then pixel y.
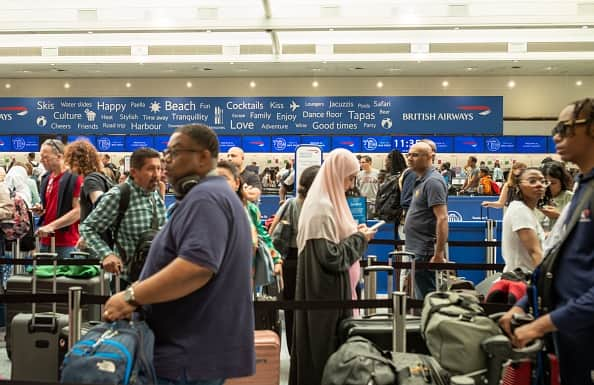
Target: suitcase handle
{"type": "Point", "coordinates": [83, 254]}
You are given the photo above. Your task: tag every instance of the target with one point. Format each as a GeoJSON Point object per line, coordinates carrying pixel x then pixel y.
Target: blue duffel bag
{"type": "Point", "coordinates": [119, 352]}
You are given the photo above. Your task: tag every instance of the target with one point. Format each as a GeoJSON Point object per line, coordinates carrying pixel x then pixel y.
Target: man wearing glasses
{"type": "Point", "coordinates": [566, 275]}
{"type": "Point", "coordinates": [196, 283]}
{"type": "Point", "coordinates": [59, 210]}
{"type": "Point", "coordinates": [426, 223]}
{"type": "Point", "coordinates": [145, 211]}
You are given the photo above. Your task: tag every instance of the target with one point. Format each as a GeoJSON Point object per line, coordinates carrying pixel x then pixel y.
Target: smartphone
{"type": "Point", "coordinates": [376, 226]}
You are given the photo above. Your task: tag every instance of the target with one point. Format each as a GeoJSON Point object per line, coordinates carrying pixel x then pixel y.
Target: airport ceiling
{"type": "Point", "coordinates": [296, 38]}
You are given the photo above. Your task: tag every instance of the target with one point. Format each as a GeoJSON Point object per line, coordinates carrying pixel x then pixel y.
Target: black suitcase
{"type": "Point", "coordinates": [35, 338]}
{"type": "Point", "coordinates": [21, 284]}
{"type": "Point", "coordinates": [378, 329]}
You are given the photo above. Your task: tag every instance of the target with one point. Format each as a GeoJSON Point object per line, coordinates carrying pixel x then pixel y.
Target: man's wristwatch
{"type": "Point", "coordinates": [129, 297]}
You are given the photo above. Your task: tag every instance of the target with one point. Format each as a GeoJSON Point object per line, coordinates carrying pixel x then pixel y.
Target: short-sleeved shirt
{"type": "Point", "coordinates": [209, 333]}
{"type": "Point", "coordinates": [472, 174]}
{"type": "Point", "coordinates": [429, 190]}
{"type": "Point", "coordinates": [368, 184]}
{"type": "Point", "coordinates": [518, 216]}
{"type": "Point", "coordinates": [92, 182]}
{"type": "Point", "coordinates": [408, 185]}
{"type": "Point", "coordinates": [69, 237]}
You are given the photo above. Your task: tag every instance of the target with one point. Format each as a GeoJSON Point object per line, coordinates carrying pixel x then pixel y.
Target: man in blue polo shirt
{"type": "Point", "coordinates": [196, 279]}
{"type": "Point", "coordinates": [571, 315]}
{"type": "Point", "coordinates": [426, 223]}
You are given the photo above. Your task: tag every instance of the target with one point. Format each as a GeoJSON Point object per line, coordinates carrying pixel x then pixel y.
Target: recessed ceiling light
{"type": "Point", "coordinates": [456, 28]}
{"type": "Point", "coordinates": [53, 64]}
{"type": "Point", "coordinates": [511, 84]}
{"type": "Point", "coordinates": [379, 84]}
{"type": "Point", "coordinates": [330, 29]}
{"type": "Point", "coordinates": [252, 84]}
{"type": "Point", "coordinates": [549, 68]}
{"type": "Point", "coordinates": [24, 71]}
{"type": "Point", "coordinates": [189, 84]}
{"type": "Point", "coordinates": [231, 62]}
{"type": "Point", "coordinates": [585, 27]}
{"type": "Point", "coordinates": [579, 83]}
{"type": "Point", "coordinates": [315, 84]}
{"type": "Point", "coordinates": [316, 69]}
{"type": "Point", "coordinates": [208, 31]}
{"type": "Point", "coordinates": [90, 32]}
{"type": "Point", "coordinates": [7, 85]}
{"type": "Point", "coordinates": [128, 84]}
{"type": "Point", "coordinates": [66, 85]}
{"type": "Point", "coordinates": [470, 68]}
{"type": "Point", "coordinates": [445, 84]}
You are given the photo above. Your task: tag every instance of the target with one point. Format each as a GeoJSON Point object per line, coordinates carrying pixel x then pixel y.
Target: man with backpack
{"type": "Point", "coordinates": [133, 211]}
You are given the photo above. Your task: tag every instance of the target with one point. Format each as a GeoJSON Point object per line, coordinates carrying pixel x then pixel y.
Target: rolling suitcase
{"type": "Point", "coordinates": [267, 361]}
{"type": "Point", "coordinates": [22, 283]}
{"type": "Point", "coordinates": [35, 338]}
{"type": "Point", "coordinates": [378, 328]}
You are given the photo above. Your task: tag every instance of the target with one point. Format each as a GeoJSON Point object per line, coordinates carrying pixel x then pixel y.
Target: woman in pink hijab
{"type": "Point", "coordinates": [329, 244]}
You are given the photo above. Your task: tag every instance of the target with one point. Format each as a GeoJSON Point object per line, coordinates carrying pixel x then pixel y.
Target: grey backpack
{"type": "Point", "coordinates": [359, 361]}
{"type": "Point", "coordinates": [453, 325]}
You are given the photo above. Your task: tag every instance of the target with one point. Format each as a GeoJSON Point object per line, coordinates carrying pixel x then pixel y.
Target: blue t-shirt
{"type": "Point", "coordinates": [419, 226]}
{"type": "Point", "coordinates": [209, 333]}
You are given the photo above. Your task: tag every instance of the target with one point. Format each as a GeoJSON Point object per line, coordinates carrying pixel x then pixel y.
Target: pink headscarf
{"type": "Point", "coordinates": [325, 213]}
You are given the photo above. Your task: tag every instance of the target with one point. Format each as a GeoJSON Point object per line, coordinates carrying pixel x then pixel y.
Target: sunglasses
{"type": "Point", "coordinates": [563, 128]}
{"type": "Point", "coordinates": [52, 142]}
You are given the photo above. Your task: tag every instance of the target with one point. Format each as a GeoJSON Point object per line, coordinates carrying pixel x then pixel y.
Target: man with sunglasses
{"type": "Point", "coordinates": [59, 210]}
{"type": "Point", "coordinates": [565, 280]}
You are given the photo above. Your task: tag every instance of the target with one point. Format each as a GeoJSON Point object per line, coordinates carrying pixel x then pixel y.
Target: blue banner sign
{"type": "Point", "coordinates": [256, 143]}
{"type": "Point", "coordinates": [226, 142]}
{"type": "Point", "coordinates": [404, 143]}
{"type": "Point", "coordinates": [161, 142]}
{"type": "Point", "coordinates": [112, 143]}
{"type": "Point", "coordinates": [468, 144]}
{"type": "Point", "coordinates": [136, 142]}
{"type": "Point", "coordinates": [5, 144]}
{"type": "Point", "coordinates": [551, 146]}
{"type": "Point", "coordinates": [287, 144]}
{"type": "Point", "coordinates": [351, 143]}
{"type": "Point", "coordinates": [358, 206]}
{"type": "Point", "coordinates": [531, 144]}
{"type": "Point", "coordinates": [90, 139]}
{"type": "Point", "coordinates": [321, 141]}
{"type": "Point", "coordinates": [344, 115]}
{"type": "Point", "coordinates": [25, 143]}
{"type": "Point", "coordinates": [500, 144]}
{"type": "Point", "coordinates": [444, 144]}
{"type": "Point", "coordinates": [376, 144]}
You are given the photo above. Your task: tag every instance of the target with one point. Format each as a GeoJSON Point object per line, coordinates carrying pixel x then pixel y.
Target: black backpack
{"type": "Point", "coordinates": [387, 201]}
{"type": "Point", "coordinates": [135, 262]}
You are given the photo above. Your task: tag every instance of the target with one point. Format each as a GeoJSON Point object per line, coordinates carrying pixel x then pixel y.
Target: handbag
{"type": "Point", "coordinates": [283, 232]}
{"type": "Point", "coordinates": [263, 266]}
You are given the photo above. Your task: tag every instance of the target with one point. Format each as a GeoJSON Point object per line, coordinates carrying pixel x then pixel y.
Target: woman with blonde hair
{"type": "Point", "coordinates": [507, 190]}
{"type": "Point", "coordinates": [329, 244]}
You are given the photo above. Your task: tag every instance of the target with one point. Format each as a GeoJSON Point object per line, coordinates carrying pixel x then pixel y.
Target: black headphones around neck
{"type": "Point", "coordinates": [183, 186]}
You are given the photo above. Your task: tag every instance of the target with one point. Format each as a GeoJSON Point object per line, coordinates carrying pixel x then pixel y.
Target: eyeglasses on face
{"type": "Point", "coordinates": [174, 152]}
{"type": "Point", "coordinates": [563, 127]}
{"type": "Point", "coordinates": [534, 181]}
